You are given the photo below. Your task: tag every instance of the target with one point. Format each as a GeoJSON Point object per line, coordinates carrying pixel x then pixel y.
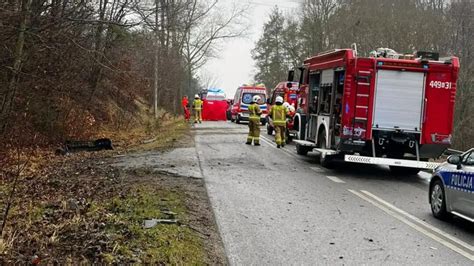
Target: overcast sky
{"type": "Point", "coordinates": [235, 66]}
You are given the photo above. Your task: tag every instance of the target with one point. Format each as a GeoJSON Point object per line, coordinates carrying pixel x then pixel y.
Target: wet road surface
{"type": "Point", "coordinates": [275, 207]}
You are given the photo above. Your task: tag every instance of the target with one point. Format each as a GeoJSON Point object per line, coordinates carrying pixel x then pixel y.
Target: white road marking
{"type": "Point", "coordinates": [335, 179]}
{"type": "Point", "coordinates": [330, 177]}
{"type": "Point", "coordinates": [425, 224]}
{"type": "Point", "coordinates": [316, 169]}
{"type": "Point", "coordinates": [266, 140]}
{"type": "Point", "coordinates": [273, 146]}
{"type": "Point", "coordinates": [285, 149]}
{"type": "Point", "coordinates": [418, 228]}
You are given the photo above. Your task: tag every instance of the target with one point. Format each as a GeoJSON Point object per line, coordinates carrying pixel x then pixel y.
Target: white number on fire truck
{"type": "Point", "coordinates": [440, 85]}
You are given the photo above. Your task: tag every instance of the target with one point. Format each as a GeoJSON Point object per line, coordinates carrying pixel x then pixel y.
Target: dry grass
{"type": "Point", "coordinates": [78, 209]}
{"type": "Point", "coordinates": [147, 132]}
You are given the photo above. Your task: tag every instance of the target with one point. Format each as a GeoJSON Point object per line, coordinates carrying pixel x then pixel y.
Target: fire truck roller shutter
{"type": "Point", "coordinates": [398, 100]}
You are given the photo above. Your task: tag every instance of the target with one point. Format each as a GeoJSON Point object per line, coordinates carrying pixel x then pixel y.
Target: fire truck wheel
{"type": "Point", "coordinates": [326, 161]}
{"type": "Point", "coordinates": [299, 134]}
{"type": "Point", "coordinates": [397, 170]}
{"type": "Point", "coordinates": [296, 126]}
{"type": "Point", "coordinates": [322, 140]}
{"type": "Point", "coordinates": [302, 150]}
{"type": "Point", "coordinates": [269, 129]}
{"type": "Point", "coordinates": [288, 138]}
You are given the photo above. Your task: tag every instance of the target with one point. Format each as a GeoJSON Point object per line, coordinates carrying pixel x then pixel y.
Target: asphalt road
{"type": "Point", "coordinates": [275, 207]}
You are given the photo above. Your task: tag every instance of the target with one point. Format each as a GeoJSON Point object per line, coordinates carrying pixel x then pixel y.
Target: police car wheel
{"type": "Point", "coordinates": [438, 200]}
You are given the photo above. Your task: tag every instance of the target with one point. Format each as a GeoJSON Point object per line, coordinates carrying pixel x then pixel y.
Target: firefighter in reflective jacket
{"type": "Point", "coordinates": [254, 122]}
{"type": "Point", "coordinates": [197, 106]}
{"type": "Point", "coordinates": [278, 114]}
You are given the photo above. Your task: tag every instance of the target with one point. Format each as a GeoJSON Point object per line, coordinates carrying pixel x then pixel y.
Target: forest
{"type": "Point", "coordinates": [79, 69]}
{"type": "Point", "coordinates": [73, 72]}
{"type": "Point", "coordinates": [406, 26]}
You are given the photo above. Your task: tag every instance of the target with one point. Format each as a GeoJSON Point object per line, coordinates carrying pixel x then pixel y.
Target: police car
{"type": "Point", "coordinates": [452, 187]}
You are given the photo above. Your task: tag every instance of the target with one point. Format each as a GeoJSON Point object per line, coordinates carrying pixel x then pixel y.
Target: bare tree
{"type": "Point", "coordinates": [189, 33]}
{"type": "Point", "coordinates": [461, 27]}
{"type": "Point", "coordinates": [208, 80]}
{"type": "Point", "coordinates": [8, 95]}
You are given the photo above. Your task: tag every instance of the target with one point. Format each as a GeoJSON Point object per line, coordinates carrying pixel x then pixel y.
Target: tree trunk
{"type": "Point", "coordinates": [9, 95]}
{"type": "Point", "coordinates": [97, 69]}
{"type": "Point", "coordinates": [155, 64]}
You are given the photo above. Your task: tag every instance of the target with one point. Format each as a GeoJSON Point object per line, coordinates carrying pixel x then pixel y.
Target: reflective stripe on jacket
{"type": "Point", "coordinates": [278, 114]}
{"type": "Point", "coordinates": [197, 104]}
{"type": "Point", "coordinates": [255, 112]}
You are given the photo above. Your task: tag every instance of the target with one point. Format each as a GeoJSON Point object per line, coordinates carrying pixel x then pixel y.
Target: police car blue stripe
{"type": "Point", "coordinates": [457, 180]}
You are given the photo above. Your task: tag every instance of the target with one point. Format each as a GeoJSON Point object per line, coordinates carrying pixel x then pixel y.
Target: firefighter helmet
{"type": "Point", "coordinates": [256, 99]}
{"type": "Point", "coordinates": [196, 96]}
{"type": "Point", "coordinates": [279, 99]}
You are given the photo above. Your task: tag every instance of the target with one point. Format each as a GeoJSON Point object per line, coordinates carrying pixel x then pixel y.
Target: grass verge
{"type": "Point", "coordinates": [162, 244]}
{"type": "Point", "coordinates": [80, 209]}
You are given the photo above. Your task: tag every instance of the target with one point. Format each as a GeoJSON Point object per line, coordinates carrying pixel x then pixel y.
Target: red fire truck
{"type": "Point", "coordinates": [377, 110]}
{"type": "Point", "coordinates": [290, 92]}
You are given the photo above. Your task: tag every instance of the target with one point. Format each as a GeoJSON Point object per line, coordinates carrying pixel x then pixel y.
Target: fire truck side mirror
{"type": "Point", "coordinates": [291, 75]}
{"type": "Point", "coordinates": [301, 75]}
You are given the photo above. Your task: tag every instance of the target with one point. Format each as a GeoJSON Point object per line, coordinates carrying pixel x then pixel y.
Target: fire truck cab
{"type": "Point", "coordinates": [396, 111]}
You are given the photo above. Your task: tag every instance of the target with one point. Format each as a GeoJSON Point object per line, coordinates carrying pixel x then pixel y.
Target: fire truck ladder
{"type": "Point", "coordinates": [361, 110]}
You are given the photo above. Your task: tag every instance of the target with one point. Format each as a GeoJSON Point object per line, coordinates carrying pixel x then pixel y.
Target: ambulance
{"type": "Point", "coordinates": [243, 98]}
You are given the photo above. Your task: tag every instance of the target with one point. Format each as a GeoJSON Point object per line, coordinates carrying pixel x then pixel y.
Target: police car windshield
{"type": "Point", "coordinates": [469, 159]}
{"type": "Point", "coordinates": [247, 98]}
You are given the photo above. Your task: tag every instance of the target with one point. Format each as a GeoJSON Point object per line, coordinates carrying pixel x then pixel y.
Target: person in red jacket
{"type": "Point", "coordinates": [185, 104]}
{"type": "Point", "coordinates": [185, 101]}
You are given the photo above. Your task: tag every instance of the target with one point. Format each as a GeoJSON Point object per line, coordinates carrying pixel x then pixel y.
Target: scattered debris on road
{"type": "Point", "coordinates": [368, 239]}
{"type": "Point", "coordinates": [91, 145]}
{"type": "Point", "coordinates": [153, 222]}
